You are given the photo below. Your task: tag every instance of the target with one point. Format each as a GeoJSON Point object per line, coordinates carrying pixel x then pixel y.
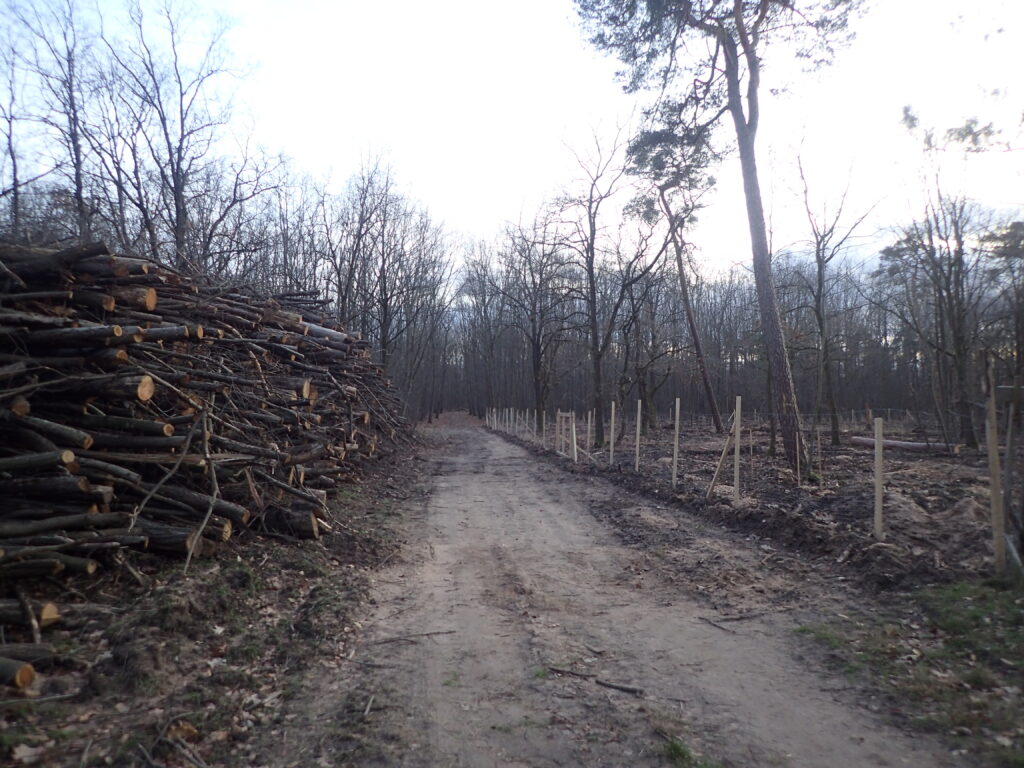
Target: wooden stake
{"type": "Point", "coordinates": [639, 408]}
{"type": "Point", "coordinates": [544, 429]}
{"type": "Point", "coordinates": [750, 437]}
{"type": "Point", "coordinates": [737, 426]}
{"type": "Point", "coordinates": [611, 444]}
{"type": "Point", "coordinates": [821, 460]}
{"type": "Point", "coordinates": [721, 463]}
{"type": "Point", "coordinates": [995, 481]}
{"type": "Point", "coordinates": [590, 430]}
{"type": "Point", "coordinates": [575, 457]}
{"type": "Point", "coordinates": [879, 482]}
{"type": "Point", "coordinates": [675, 448]}
{"type": "Point", "coordinates": [799, 441]}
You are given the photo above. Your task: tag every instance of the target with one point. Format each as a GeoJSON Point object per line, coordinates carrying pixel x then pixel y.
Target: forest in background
{"type": "Point", "coordinates": [125, 135]}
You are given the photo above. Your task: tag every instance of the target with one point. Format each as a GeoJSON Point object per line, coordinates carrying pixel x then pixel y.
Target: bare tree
{"type": "Point", "coordinates": [934, 280]}
{"type": "Point", "coordinates": [598, 254]}
{"type": "Point", "coordinates": [10, 181]}
{"type": "Point", "coordinates": [654, 40]}
{"type": "Point", "coordinates": [59, 60]}
{"type": "Point", "coordinates": [535, 284]}
{"type": "Point", "coordinates": [175, 113]}
{"type": "Point", "coordinates": [829, 240]}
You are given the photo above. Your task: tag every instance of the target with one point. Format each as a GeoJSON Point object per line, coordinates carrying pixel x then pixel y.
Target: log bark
{"type": "Point", "coordinates": [869, 442]}
{"type": "Point", "coordinates": [10, 528]}
{"type": "Point", "coordinates": [27, 461]}
{"type": "Point", "coordinates": [37, 654]}
{"type": "Point", "coordinates": [11, 612]}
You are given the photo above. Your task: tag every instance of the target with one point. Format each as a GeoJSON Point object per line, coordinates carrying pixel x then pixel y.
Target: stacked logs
{"type": "Point", "coordinates": [144, 409]}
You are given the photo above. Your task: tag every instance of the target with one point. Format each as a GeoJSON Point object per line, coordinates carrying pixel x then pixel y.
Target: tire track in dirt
{"type": "Point", "coordinates": [508, 576]}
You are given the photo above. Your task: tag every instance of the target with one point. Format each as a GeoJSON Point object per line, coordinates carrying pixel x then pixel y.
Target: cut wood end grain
{"type": "Point", "coordinates": [18, 674]}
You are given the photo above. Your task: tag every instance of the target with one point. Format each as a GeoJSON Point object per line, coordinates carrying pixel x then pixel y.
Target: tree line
{"type": "Point", "coordinates": [126, 134]}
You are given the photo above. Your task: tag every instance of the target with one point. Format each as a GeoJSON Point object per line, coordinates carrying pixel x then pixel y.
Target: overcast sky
{"type": "Point", "coordinates": [475, 104]}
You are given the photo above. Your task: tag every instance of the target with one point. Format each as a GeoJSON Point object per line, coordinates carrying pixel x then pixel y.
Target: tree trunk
{"type": "Point", "coordinates": [775, 343]}
{"type": "Point", "coordinates": [963, 404]}
{"type": "Point", "coordinates": [598, 380]}
{"type": "Point", "coordinates": [830, 396]}
{"type": "Point", "coordinates": [698, 347]}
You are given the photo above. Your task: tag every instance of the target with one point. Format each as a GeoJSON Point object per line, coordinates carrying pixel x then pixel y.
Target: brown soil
{"type": "Point", "coordinates": [519, 588]}
{"type": "Point", "coordinates": [199, 668]}
{"type": "Point", "coordinates": [513, 600]}
{"type": "Point", "coordinates": [936, 506]}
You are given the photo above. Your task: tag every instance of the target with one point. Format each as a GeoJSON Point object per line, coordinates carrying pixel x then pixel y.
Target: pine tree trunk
{"type": "Point", "coordinates": [775, 343]}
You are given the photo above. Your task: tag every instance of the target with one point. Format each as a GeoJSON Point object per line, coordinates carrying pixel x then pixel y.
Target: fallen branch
{"type": "Point", "coordinates": [619, 687]}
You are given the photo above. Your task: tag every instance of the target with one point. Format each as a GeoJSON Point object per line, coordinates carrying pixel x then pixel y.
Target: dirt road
{"type": "Point", "coordinates": [509, 578]}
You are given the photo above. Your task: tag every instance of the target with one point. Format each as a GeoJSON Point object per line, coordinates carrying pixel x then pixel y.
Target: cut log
{"type": "Point", "coordinates": [46, 613]}
{"type": "Point", "coordinates": [55, 486]}
{"type": "Point", "coordinates": [71, 336]}
{"type": "Point", "coordinates": [94, 299]}
{"type": "Point", "coordinates": [134, 426]}
{"type": "Point", "coordinates": [869, 442]}
{"type": "Point", "coordinates": [297, 521]}
{"type": "Point", "coordinates": [143, 297]}
{"type": "Point", "coordinates": [36, 654]}
{"type": "Point", "coordinates": [97, 469]}
{"type": "Point", "coordinates": [139, 388]}
{"type": "Point", "coordinates": [172, 539]}
{"type": "Point", "coordinates": [11, 528]}
{"type": "Point", "coordinates": [19, 406]}
{"type": "Point", "coordinates": [61, 434]}
{"type": "Point", "coordinates": [202, 502]}
{"type": "Point", "coordinates": [46, 460]}
{"type": "Point", "coordinates": [16, 673]}
{"type": "Point", "coordinates": [31, 568]}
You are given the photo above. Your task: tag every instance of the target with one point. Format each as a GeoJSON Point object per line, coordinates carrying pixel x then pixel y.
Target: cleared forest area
{"type": "Point", "coordinates": [263, 434]}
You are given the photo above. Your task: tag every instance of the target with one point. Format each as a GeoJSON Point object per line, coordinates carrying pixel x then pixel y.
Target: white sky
{"type": "Point", "coordinates": [475, 102]}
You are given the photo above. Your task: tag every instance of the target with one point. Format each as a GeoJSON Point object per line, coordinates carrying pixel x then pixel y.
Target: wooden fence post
{"type": "Point", "coordinates": [590, 430]}
{"type": "Point", "coordinates": [639, 409]}
{"type": "Point", "coordinates": [611, 442]}
{"type": "Point", "coordinates": [544, 429]}
{"type": "Point", "coordinates": [575, 457]}
{"type": "Point", "coordinates": [799, 441]}
{"type": "Point", "coordinates": [675, 448]}
{"type": "Point", "coordinates": [879, 482]}
{"type": "Point", "coordinates": [736, 456]}
{"type": "Point", "coordinates": [995, 480]}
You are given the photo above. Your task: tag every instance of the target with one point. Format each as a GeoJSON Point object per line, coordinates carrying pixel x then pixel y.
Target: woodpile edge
{"type": "Point", "coordinates": [145, 409]}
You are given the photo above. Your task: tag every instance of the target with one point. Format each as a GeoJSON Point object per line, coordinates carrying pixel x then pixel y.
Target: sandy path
{"type": "Point", "coordinates": [515, 576]}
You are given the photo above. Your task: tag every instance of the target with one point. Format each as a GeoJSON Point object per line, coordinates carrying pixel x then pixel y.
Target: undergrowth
{"type": "Point", "coordinates": [954, 665]}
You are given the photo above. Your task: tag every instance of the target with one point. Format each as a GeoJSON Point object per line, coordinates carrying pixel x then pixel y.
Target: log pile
{"type": "Point", "coordinates": [144, 409]}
